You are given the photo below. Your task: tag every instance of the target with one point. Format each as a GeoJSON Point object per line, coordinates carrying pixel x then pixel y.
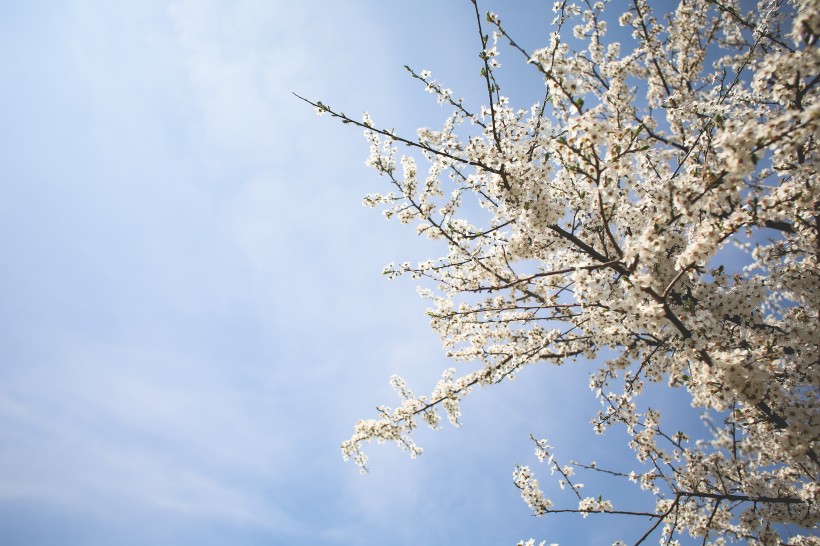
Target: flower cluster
{"type": "Point", "coordinates": [607, 212]}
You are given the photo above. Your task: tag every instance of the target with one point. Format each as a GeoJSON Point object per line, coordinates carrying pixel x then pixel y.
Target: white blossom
{"type": "Point", "coordinates": [607, 212]}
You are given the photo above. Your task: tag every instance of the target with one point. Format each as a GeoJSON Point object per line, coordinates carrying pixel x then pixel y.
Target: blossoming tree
{"type": "Point", "coordinates": [605, 210]}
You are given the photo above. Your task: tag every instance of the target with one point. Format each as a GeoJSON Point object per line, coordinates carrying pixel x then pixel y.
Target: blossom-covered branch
{"type": "Point", "coordinates": [606, 212]}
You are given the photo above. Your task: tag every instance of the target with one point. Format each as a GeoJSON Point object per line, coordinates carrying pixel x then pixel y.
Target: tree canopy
{"type": "Point", "coordinates": [596, 224]}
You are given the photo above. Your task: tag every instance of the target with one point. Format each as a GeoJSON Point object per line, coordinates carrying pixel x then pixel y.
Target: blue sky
{"type": "Point", "coordinates": [193, 312]}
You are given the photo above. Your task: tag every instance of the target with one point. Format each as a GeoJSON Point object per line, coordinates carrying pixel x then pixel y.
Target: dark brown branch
{"type": "Point", "coordinates": [488, 77]}
{"type": "Point", "coordinates": [411, 143]}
